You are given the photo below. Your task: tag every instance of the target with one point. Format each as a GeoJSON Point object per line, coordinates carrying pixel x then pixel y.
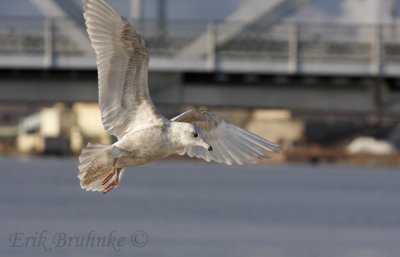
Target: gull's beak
{"type": "Point", "coordinates": [206, 146]}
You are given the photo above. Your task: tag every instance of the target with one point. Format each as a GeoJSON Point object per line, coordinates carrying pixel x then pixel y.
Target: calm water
{"type": "Point", "coordinates": [192, 209]}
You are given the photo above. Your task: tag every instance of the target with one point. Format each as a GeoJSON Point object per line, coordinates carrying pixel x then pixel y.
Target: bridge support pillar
{"type": "Point", "coordinates": [136, 9]}
{"type": "Point", "coordinates": [293, 48]}
{"type": "Point", "coordinates": [376, 51]}
{"type": "Point", "coordinates": [48, 43]}
{"type": "Point", "coordinates": [162, 17]}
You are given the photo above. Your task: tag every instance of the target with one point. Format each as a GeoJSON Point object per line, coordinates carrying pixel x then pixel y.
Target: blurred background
{"type": "Point", "coordinates": [319, 77]}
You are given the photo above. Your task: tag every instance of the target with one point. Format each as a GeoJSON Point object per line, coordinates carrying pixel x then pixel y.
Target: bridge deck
{"type": "Point", "coordinates": [282, 48]}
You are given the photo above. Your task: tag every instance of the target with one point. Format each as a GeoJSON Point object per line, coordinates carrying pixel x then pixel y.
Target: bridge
{"type": "Point", "coordinates": [245, 60]}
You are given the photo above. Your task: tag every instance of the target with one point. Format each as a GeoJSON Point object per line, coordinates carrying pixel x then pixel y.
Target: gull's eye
{"type": "Point", "coordinates": [195, 134]}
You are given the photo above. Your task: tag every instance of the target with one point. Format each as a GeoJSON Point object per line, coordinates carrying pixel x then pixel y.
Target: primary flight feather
{"type": "Point", "coordinates": [128, 113]}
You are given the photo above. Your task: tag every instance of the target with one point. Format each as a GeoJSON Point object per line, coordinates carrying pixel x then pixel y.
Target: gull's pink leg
{"type": "Point", "coordinates": [117, 178]}
{"type": "Point", "coordinates": [113, 184]}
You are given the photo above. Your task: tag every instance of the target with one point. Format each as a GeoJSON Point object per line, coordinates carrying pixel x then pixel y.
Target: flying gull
{"type": "Point", "coordinates": [128, 113]}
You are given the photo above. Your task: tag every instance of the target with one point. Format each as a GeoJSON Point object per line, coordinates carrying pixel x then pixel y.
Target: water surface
{"type": "Point", "coordinates": [199, 209]}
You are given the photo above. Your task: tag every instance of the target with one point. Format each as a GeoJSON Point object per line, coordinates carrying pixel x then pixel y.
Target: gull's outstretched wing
{"type": "Point", "coordinates": [230, 143]}
{"type": "Point", "coordinates": [122, 61]}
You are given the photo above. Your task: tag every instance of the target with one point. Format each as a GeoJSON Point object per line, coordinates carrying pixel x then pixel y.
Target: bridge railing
{"type": "Point", "coordinates": [285, 47]}
{"type": "Point", "coordinates": [31, 36]}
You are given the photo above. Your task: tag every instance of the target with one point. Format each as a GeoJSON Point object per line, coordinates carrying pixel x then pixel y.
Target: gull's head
{"type": "Point", "coordinates": [189, 135]}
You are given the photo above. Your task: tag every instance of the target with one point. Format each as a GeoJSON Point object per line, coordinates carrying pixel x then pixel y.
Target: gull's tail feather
{"type": "Point", "coordinates": [95, 162]}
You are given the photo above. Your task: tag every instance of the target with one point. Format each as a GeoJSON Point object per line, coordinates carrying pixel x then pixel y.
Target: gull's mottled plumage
{"type": "Point", "coordinates": [122, 61]}
{"type": "Point", "coordinates": [128, 113]}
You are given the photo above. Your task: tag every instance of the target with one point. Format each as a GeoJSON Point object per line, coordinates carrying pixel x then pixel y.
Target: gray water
{"type": "Point", "coordinates": [190, 209]}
